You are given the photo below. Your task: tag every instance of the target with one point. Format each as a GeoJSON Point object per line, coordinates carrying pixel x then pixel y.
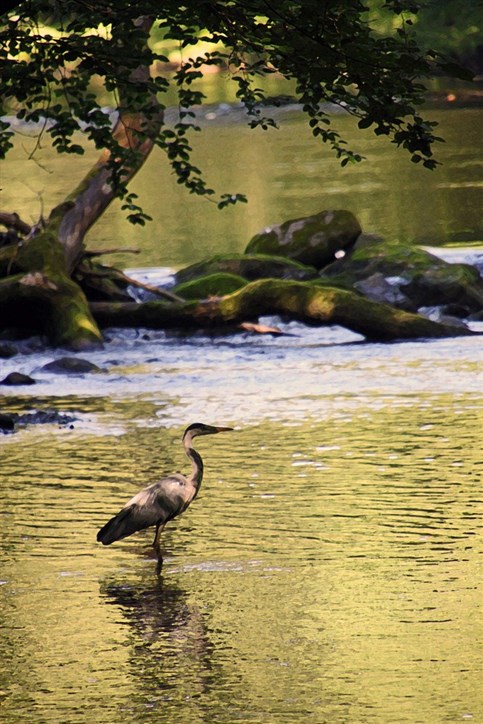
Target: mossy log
{"type": "Point", "coordinates": [296, 300]}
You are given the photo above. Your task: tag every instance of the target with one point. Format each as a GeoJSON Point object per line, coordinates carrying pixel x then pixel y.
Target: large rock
{"type": "Point", "coordinates": [414, 278]}
{"type": "Point", "coordinates": [313, 240]}
{"type": "Point", "coordinates": [248, 266]}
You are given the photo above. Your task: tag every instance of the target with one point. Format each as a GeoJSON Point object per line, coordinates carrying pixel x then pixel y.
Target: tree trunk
{"type": "Point", "coordinates": [296, 300]}
{"type": "Point", "coordinates": [50, 252]}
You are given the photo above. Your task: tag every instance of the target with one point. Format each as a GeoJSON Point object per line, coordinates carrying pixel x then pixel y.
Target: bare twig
{"type": "Point", "coordinates": [93, 252]}
{"type": "Point", "coordinates": [154, 290]}
{"type": "Point", "coordinates": [116, 274]}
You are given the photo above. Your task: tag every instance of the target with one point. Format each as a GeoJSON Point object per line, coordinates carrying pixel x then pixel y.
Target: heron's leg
{"type": "Point", "coordinates": [157, 546]}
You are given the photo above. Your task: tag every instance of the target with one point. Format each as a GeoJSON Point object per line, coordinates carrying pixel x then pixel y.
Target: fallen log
{"type": "Point", "coordinates": [300, 301]}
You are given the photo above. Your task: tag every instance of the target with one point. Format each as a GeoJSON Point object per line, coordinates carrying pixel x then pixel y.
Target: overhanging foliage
{"type": "Point", "coordinates": [52, 51]}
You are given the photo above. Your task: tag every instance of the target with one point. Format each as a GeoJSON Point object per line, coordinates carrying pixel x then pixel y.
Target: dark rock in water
{"type": "Point", "coordinates": [381, 289]}
{"type": "Point", "coordinates": [11, 421]}
{"type": "Point", "coordinates": [17, 378]}
{"type": "Point", "coordinates": [7, 350]}
{"type": "Point", "coordinates": [249, 267]}
{"type": "Point", "coordinates": [441, 315]}
{"type": "Point", "coordinates": [45, 417]}
{"type": "Point", "coordinates": [422, 279]}
{"type": "Point", "coordinates": [7, 421]}
{"type": "Point", "coordinates": [313, 240]}
{"type": "Point", "coordinates": [455, 310]}
{"type": "Point", "coordinates": [476, 317]}
{"type": "Point", "coordinates": [71, 366]}
{"type": "Point", "coordinates": [457, 284]}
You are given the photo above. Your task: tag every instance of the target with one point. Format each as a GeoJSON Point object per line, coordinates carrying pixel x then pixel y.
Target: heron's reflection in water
{"type": "Point", "coordinates": [171, 656]}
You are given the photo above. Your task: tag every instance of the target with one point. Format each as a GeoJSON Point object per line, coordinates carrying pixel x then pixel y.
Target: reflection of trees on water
{"type": "Point", "coordinates": [171, 654]}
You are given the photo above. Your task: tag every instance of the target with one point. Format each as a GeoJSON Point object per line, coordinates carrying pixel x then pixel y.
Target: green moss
{"type": "Point", "coordinates": [42, 253]}
{"type": "Point", "coordinates": [425, 279]}
{"type": "Point", "coordinates": [311, 240]}
{"type": "Point", "coordinates": [213, 285]}
{"type": "Point", "coordinates": [328, 305]}
{"type": "Point", "coordinates": [45, 284]}
{"type": "Point", "coordinates": [248, 266]}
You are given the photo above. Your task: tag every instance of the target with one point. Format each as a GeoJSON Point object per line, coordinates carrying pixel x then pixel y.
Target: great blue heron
{"type": "Point", "coordinates": [162, 501]}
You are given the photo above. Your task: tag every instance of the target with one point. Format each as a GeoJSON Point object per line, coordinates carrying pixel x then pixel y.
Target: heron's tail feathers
{"type": "Point", "coordinates": [123, 524]}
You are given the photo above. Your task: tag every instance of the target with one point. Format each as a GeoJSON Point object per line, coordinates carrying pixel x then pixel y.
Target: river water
{"type": "Point", "coordinates": [331, 568]}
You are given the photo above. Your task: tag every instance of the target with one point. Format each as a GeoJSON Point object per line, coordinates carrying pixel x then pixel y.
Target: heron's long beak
{"type": "Point", "coordinates": [224, 429]}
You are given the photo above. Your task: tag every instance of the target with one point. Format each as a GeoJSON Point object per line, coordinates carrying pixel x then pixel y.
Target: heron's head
{"type": "Point", "coordinates": [199, 428]}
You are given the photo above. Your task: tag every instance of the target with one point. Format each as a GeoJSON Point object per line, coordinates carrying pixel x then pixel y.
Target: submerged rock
{"type": "Point", "coordinates": [17, 378]}
{"type": "Point", "coordinates": [11, 421]}
{"type": "Point", "coordinates": [45, 417]}
{"type": "Point", "coordinates": [71, 366]}
{"type": "Point", "coordinates": [7, 421]}
{"type": "Point", "coordinates": [313, 240]}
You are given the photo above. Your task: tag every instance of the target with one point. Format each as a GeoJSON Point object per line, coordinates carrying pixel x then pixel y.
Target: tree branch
{"type": "Point", "coordinates": [13, 221]}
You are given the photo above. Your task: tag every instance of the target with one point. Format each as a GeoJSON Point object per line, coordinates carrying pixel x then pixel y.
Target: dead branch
{"type": "Point", "coordinates": [13, 221]}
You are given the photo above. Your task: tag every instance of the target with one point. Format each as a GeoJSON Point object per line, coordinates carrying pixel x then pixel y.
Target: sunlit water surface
{"type": "Point", "coordinates": [331, 568]}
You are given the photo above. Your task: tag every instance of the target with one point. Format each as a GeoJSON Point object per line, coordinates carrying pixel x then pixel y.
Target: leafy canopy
{"type": "Point", "coordinates": [51, 51]}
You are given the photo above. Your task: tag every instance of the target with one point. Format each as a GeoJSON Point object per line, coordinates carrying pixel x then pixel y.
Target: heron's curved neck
{"type": "Point", "coordinates": [196, 463]}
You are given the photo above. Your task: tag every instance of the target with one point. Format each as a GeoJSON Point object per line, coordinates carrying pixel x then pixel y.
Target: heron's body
{"type": "Point", "coordinates": [162, 501]}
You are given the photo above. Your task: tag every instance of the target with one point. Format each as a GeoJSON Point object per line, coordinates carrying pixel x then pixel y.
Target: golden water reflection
{"type": "Point", "coordinates": [329, 571]}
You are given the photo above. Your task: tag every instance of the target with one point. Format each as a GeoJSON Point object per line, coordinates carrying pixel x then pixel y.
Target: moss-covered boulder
{"type": "Point", "coordinates": [312, 240]}
{"type": "Point", "coordinates": [248, 266]}
{"type": "Point", "coordinates": [213, 285]}
{"type": "Point", "coordinates": [412, 277]}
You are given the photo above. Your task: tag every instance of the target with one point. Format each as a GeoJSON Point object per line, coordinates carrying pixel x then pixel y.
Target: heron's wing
{"type": "Point", "coordinates": [163, 499]}
{"type": "Point", "coordinates": [156, 504]}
